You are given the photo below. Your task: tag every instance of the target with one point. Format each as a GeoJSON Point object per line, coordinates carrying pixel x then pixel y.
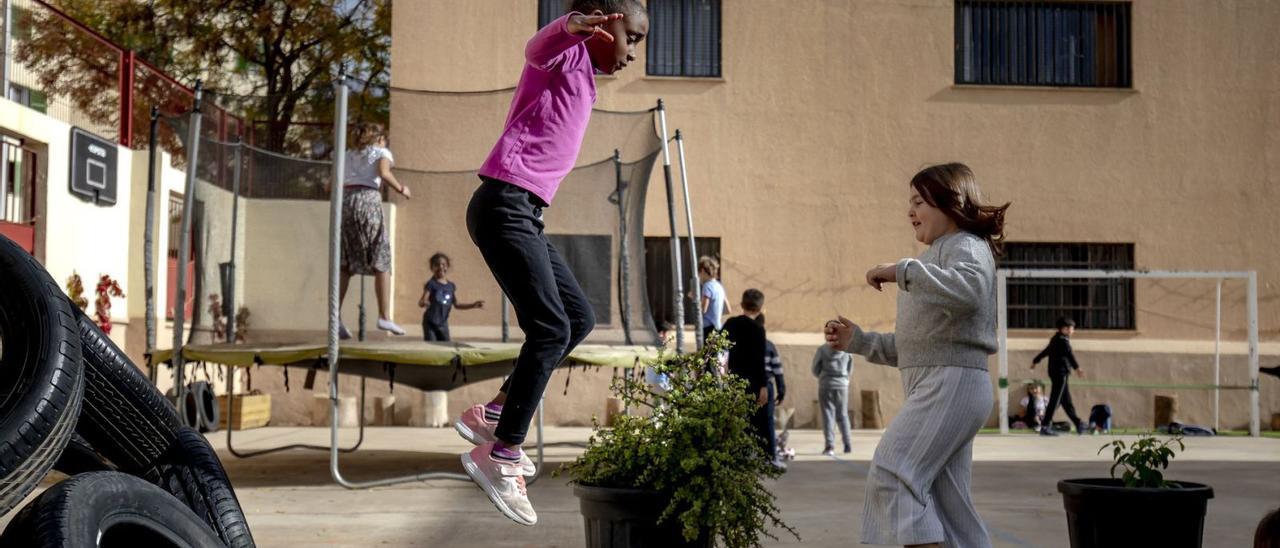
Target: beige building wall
{"type": "Point", "coordinates": [799, 159]}
{"type": "Point", "coordinates": [73, 235]}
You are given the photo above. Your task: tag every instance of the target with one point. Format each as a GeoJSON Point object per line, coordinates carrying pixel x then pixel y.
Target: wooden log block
{"type": "Point", "coordinates": [1166, 410]}
{"type": "Point", "coordinates": [384, 410]}
{"type": "Point", "coordinates": [871, 415]}
{"type": "Point", "coordinates": [252, 411]}
{"type": "Point", "coordinates": [437, 403]}
{"type": "Point", "coordinates": [348, 412]}
{"type": "Point", "coordinates": [612, 410]}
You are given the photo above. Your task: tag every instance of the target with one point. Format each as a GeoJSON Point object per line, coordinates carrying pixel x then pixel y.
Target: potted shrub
{"type": "Point", "coordinates": [686, 470]}
{"type": "Point", "coordinates": [1139, 508]}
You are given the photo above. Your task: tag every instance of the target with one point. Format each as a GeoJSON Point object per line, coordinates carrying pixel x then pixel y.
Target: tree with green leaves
{"type": "Point", "coordinates": [273, 61]}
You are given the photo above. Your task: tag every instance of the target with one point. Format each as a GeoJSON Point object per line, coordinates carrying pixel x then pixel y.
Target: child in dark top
{"type": "Point", "coordinates": [747, 360]}
{"type": "Point", "coordinates": [1061, 363]}
{"type": "Point", "coordinates": [438, 298]}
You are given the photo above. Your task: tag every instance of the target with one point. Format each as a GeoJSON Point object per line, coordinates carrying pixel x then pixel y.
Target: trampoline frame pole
{"type": "Point", "coordinates": [231, 413]}
{"type": "Point", "coordinates": [1217, 356]}
{"type": "Point", "coordinates": [624, 262]}
{"type": "Point", "coordinates": [1002, 331]}
{"type": "Point", "coordinates": [229, 300]}
{"type": "Point", "coordinates": [335, 259]}
{"type": "Point", "coordinates": [148, 236]}
{"type": "Point", "coordinates": [676, 276]}
{"type": "Point", "coordinates": [184, 251]}
{"type": "Point", "coordinates": [694, 282]}
{"type": "Point", "coordinates": [1251, 317]}
{"type": "Point", "coordinates": [506, 320]}
{"type": "Point", "coordinates": [542, 451]}
{"type": "Point", "coordinates": [360, 328]}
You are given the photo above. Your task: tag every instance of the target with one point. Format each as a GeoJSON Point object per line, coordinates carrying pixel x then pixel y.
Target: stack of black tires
{"type": "Point", "coordinates": [71, 401]}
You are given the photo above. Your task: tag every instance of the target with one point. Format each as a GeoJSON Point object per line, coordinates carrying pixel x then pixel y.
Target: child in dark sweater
{"type": "Point", "coordinates": [747, 359]}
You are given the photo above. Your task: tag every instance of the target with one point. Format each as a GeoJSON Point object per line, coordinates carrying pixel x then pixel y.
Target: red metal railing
{"type": "Point", "coordinates": [139, 84]}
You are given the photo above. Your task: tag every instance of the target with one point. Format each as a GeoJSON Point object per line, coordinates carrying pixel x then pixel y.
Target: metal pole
{"type": "Point", "coordinates": [229, 300]}
{"type": "Point", "coordinates": [148, 276]}
{"type": "Point", "coordinates": [1252, 315]}
{"type": "Point", "coordinates": [694, 282]}
{"type": "Point", "coordinates": [4, 180]}
{"type": "Point", "coordinates": [624, 261]}
{"type": "Point", "coordinates": [1217, 357]}
{"type": "Point", "coordinates": [676, 277]}
{"type": "Point", "coordinates": [1002, 326]}
{"type": "Point", "coordinates": [506, 320]}
{"type": "Point", "coordinates": [335, 259]}
{"type": "Point", "coordinates": [184, 251]}
{"type": "Point", "coordinates": [542, 446]}
{"type": "Point", "coordinates": [8, 50]}
{"type": "Point", "coordinates": [360, 328]}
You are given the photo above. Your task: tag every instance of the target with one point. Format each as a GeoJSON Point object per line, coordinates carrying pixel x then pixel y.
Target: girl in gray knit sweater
{"type": "Point", "coordinates": [918, 486]}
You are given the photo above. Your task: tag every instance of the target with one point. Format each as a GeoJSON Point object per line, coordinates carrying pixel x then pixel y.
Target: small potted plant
{"type": "Point", "coordinates": [684, 471]}
{"type": "Point", "coordinates": [1139, 508]}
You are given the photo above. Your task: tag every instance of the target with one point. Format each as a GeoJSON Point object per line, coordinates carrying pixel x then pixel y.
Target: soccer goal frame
{"type": "Point", "coordinates": [1251, 312]}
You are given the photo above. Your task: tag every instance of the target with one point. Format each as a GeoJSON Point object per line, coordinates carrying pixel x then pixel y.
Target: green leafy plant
{"type": "Point", "coordinates": [692, 443]}
{"type": "Point", "coordinates": [1144, 460]}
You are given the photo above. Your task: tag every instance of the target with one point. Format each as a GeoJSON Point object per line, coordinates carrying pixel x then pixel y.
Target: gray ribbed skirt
{"type": "Point", "coordinates": [918, 484]}
{"type": "Point", "coordinates": [366, 246]}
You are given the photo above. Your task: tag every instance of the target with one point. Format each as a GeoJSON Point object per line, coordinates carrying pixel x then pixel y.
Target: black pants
{"type": "Point", "coordinates": [762, 424]}
{"type": "Point", "coordinates": [505, 222]}
{"type": "Point", "coordinates": [435, 332]}
{"type": "Point", "coordinates": [1060, 393]}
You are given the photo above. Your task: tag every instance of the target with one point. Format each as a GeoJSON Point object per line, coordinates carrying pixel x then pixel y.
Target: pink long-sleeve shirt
{"type": "Point", "coordinates": [549, 113]}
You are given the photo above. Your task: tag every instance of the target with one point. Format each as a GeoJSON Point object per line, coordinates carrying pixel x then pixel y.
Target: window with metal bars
{"type": "Point", "coordinates": [549, 10]}
{"type": "Point", "coordinates": [1080, 44]}
{"type": "Point", "coordinates": [661, 289]}
{"type": "Point", "coordinates": [684, 38]}
{"type": "Point", "coordinates": [1094, 303]}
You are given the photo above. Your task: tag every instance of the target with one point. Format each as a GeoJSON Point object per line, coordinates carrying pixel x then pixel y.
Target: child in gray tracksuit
{"type": "Point", "coordinates": [833, 369]}
{"type": "Point", "coordinates": [917, 490]}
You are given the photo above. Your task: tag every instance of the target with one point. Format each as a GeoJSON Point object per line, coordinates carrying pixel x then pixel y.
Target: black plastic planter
{"type": "Point", "coordinates": [628, 518]}
{"type": "Point", "coordinates": [1102, 512]}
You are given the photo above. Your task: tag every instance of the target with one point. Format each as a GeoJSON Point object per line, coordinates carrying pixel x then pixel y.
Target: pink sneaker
{"type": "Point", "coordinates": [473, 427]}
{"type": "Point", "coordinates": [502, 481]}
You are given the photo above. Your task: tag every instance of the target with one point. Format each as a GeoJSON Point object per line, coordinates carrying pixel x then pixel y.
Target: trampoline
{"type": "Point", "coordinates": [422, 365]}
{"type": "Point", "coordinates": [617, 183]}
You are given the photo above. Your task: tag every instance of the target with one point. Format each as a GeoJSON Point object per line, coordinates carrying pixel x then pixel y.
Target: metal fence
{"type": "Point", "coordinates": [60, 67]}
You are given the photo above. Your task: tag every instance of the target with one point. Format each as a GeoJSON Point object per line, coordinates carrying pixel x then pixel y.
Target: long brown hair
{"type": "Point", "coordinates": [366, 135]}
{"type": "Point", "coordinates": [953, 189]}
{"type": "Point", "coordinates": [1267, 535]}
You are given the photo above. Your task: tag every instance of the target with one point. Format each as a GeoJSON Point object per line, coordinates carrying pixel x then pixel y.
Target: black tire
{"type": "Point", "coordinates": [107, 510]}
{"type": "Point", "coordinates": [79, 457]}
{"type": "Point", "coordinates": [125, 418]}
{"type": "Point", "coordinates": [209, 412]}
{"type": "Point", "coordinates": [202, 407]}
{"type": "Point", "coordinates": [192, 472]}
{"type": "Point", "coordinates": [190, 405]}
{"type": "Point", "coordinates": [41, 380]}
